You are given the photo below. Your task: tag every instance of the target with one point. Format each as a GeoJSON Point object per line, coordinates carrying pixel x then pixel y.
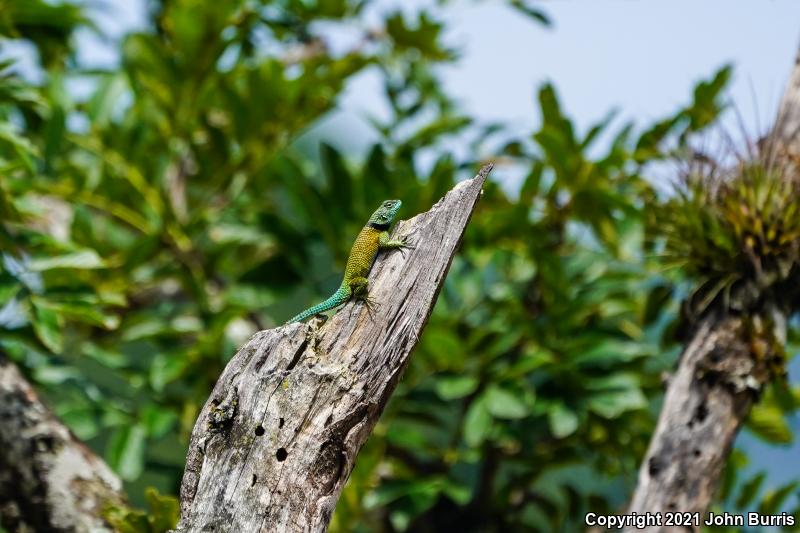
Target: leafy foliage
{"type": "Point", "coordinates": [149, 227]}
{"type": "Point", "coordinates": [736, 227]}
{"type": "Point", "coordinates": [163, 516]}
{"type": "Point", "coordinates": [749, 495]}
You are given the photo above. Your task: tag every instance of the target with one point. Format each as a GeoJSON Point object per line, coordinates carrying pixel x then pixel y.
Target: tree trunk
{"type": "Point", "coordinates": [49, 480]}
{"type": "Point", "coordinates": [787, 127]}
{"type": "Point", "coordinates": [278, 437]}
{"type": "Point", "coordinates": [721, 371]}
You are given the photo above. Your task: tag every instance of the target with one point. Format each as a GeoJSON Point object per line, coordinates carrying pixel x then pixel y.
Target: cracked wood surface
{"type": "Point", "coordinates": [278, 437]}
{"type": "Point", "coordinates": [707, 400]}
{"type": "Point", "coordinates": [719, 375]}
{"type": "Point", "coordinates": [49, 480]}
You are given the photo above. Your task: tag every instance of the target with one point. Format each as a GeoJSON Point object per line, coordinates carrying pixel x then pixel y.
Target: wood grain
{"type": "Point", "coordinates": [280, 433]}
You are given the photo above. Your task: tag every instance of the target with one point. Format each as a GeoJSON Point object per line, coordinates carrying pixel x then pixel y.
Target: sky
{"type": "Point", "coordinates": [640, 57]}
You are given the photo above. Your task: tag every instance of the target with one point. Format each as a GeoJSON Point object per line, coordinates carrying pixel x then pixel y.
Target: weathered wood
{"type": "Point", "coordinates": [49, 480]}
{"type": "Point", "coordinates": [706, 402]}
{"type": "Point", "coordinates": [279, 435]}
{"type": "Point", "coordinates": [787, 125]}
{"type": "Point", "coordinates": [720, 373]}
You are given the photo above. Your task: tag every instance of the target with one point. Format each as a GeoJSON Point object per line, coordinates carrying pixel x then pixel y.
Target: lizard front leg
{"type": "Point", "coordinates": [384, 243]}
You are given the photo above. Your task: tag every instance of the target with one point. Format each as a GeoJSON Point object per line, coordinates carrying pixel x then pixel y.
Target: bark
{"type": "Point", "coordinates": [787, 126]}
{"type": "Point", "coordinates": [721, 371]}
{"type": "Point", "coordinates": [278, 437]}
{"type": "Point", "coordinates": [49, 480]}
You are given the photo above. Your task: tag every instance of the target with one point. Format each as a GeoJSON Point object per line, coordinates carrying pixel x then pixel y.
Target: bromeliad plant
{"type": "Point", "coordinates": [735, 229]}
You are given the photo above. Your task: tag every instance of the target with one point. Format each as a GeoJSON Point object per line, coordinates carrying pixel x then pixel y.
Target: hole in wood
{"type": "Point", "coordinates": [253, 482]}
{"type": "Point", "coordinates": [653, 467]}
{"type": "Point", "coordinates": [716, 355]}
{"type": "Point", "coordinates": [280, 423]}
{"type": "Point", "coordinates": [259, 430]}
{"type": "Point", "coordinates": [700, 413]}
{"type": "Point", "coordinates": [281, 455]}
{"type": "Point", "coordinates": [696, 452]}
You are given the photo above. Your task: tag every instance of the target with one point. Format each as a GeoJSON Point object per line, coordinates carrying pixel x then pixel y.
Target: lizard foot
{"type": "Point", "coordinates": [371, 304]}
{"type": "Point", "coordinates": [405, 244]}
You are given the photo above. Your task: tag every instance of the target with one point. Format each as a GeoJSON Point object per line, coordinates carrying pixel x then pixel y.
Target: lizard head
{"type": "Point", "coordinates": [385, 213]}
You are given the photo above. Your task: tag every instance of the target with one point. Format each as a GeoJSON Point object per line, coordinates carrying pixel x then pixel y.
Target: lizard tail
{"type": "Point", "coordinates": [337, 298]}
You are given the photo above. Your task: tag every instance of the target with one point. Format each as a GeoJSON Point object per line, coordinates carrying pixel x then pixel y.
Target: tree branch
{"type": "Point", "coordinates": [49, 480]}
{"type": "Point", "coordinates": [279, 435]}
{"type": "Point", "coordinates": [721, 371]}
{"type": "Point", "coordinates": [787, 125]}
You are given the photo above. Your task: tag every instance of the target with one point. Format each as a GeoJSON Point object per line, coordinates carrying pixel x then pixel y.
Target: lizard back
{"type": "Point", "coordinates": [363, 253]}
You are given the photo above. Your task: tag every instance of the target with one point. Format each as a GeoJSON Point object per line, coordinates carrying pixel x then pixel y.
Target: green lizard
{"type": "Point", "coordinates": [373, 237]}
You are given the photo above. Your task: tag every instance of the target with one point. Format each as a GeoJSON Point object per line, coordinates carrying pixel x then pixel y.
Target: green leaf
{"type": "Point", "coordinates": [533, 12]}
{"type": "Point", "coordinates": [768, 422]}
{"type": "Point", "coordinates": [445, 347]}
{"type": "Point", "coordinates": [24, 149]}
{"type": "Point", "coordinates": [617, 381]}
{"type": "Point", "coordinates": [165, 369]}
{"type": "Point", "coordinates": [54, 136]}
{"type": "Point", "coordinates": [82, 421]}
{"type": "Point", "coordinates": [86, 313]}
{"type": "Point", "coordinates": [85, 259]}
{"type": "Point", "coordinates": [477, 422]}
{"type": "Point", "coordinates": [657, 299]}
{"type": "Point", "coordinates": [408, 434]}
{"type": "Point", "coordinates": [385, 493]}
{"type": "Point", "coordinates": [125, 451]}
{"type": "Point", "coordinates": [612, 404]}
{"type": "Point", "coordinates": [563, 421]}
{"type": "Point", "coordinates": [104, 101]}
{"type": "Point", "coordinates": [55, 374]}
{"type": "Point", "coordinates": [157, 420]}
{"type": "Point", "coordinates": [164, 510]}
{"type": "Point", "coordinates": [773, 500]}
{"type": "Point", "coordinates": [126, 520]}
{"type": "Point", "coordinates": [8, 291]}
{"type": "Point", "coordinates": [454, 387]}
{"type": "Point", "coordinates": [47, 326]}
{"type": "Point", "coordinates": [613, 352]}
{"type": "Point", "coordinates": [340, 180]}
{"type": "Point", "coordinates": [461, 494]}
{"type": "Point", "coordinates": [749, 490]}
{"type": "Point", "coordinates": [424, 37]}
{"type": "Point", "coordinates": [503, 403]}
{"type": "Point", "coordinates": [163, 515]}
{"type": "Point", "coordinates": [109, 358]}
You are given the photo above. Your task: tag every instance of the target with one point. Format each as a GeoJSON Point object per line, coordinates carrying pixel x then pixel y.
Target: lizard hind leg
{"type": "Point", "coordinates": [360, 291]}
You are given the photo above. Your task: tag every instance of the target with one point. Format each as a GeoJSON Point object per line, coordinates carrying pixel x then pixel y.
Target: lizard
{"type": "Point", "coordinates": [374, 236]}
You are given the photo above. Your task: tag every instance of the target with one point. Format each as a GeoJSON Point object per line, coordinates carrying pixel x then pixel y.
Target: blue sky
{"type": "Point", "coordinates": [641, 57]}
